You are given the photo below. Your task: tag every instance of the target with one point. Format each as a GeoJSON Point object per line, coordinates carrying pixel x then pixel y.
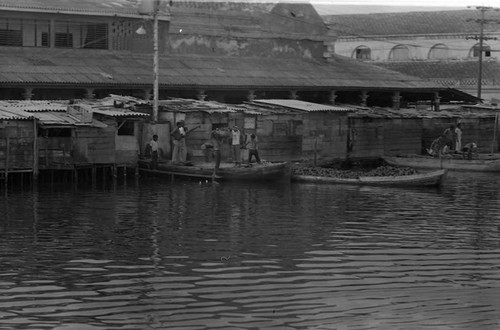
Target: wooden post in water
{"type": "Point", "coordinates": [494, 134]}
{"type": "Point", "coordinates": [35, 152]}
{"type": "Point", "coordinates": [7, 155]}
{"type": "Point", "coordinates": [315, 151]}
{"type": "Point", "coordinates": [94, 176]}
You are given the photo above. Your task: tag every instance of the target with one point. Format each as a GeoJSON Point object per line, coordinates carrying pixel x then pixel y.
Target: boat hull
{"type": "Point", "coordinates": [456, 164]}
{"type": "Point", "coordinates": [256, 172]}
{"type": "Point", "coordinates": [433, 178]}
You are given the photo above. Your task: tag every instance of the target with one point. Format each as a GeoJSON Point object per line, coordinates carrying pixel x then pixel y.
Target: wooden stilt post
{"type": "Point", "coordinates": [35, 152]}
{"type": "Point", "coordinates": [94, 176]}
{"type": "Point", "coordinates": [7, 152]}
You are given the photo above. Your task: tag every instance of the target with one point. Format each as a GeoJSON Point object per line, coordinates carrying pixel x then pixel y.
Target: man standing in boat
{"type": "Point", "coordinates": [177, 136]}
{"type": "Point", "coordinates": [253, 149]}
{"type": "Point", "coordinates": [458, 137]}
{"type": "Point", "coordinates": [236, 142]}
{"type": "Point", "coordinates": [153, 146]}
{"type": "Point", "coordinates": [449, 136]}
{"type": "Point", "coordinates": [215, 141]}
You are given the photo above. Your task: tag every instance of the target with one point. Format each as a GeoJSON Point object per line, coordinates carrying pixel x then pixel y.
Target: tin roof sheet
{"type": "Point", "coordinates": [6, 114]}
{"type": "Point", "coordinates": [188, 105]}
{"type": "Point", "coordinates": [304, 106]}
{"type": "Point", "coordinates": [35, 106]}
{"type": "Point", "coordinates": [64, 119]}
{"type": "Point", "coordinates": [116, 112]}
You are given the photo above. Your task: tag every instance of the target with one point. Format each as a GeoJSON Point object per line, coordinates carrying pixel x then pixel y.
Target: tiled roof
{"type": "Point", "coordinates": [454, 21]}
{"type": "Point", "coordinates": [241, 5]}
{"type": "Point", "coordinates": [20, 66]}
{"type": "Point", "coordinates": [445, 69]}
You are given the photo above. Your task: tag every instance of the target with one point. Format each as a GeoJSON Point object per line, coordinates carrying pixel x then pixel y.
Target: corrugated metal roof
{"type": "Point", "coordinates": [112, 68]}
{"type": "Point", "coordinates": [35, 106]}
{"type": "Point", "coordinates": [14, 115]}
{"type": "Point", "coordinates": [116, 112]}
{"type": "Point", "coordinates": [64, 119]}
{"type": "Point", "coordinates": [189, 105]}
{"type": "Point", "coordinates": [304, 106]}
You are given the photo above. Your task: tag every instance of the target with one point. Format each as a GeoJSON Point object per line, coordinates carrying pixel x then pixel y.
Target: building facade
{"type": "Point", "coordinates": [440, 46]}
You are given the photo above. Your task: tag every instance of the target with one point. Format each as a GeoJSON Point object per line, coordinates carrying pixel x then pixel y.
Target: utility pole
{"type": "Point", "coordinates": [481, 21]}
{"type": "Point", "coordinates": [156, 89]}
{"type": "Point", "coordinates": [151, 9]}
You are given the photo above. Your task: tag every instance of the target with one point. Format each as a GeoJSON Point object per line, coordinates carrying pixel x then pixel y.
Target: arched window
{"type": "Point", "coordinates": [399, 52]}
{"type": "Point", "coordinates": [475, 50]}
{"type": "Point", "coordinates": [362, 53]}
{"type": "Point", "coordinates": [438, 52]}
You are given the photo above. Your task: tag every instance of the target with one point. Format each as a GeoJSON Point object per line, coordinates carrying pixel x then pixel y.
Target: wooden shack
{"type": "Point", "coordinates": [200, 118]}
{"type": "Point", "coordinates": [124, 128]}
{"type": "Point", "coordinates": [286, 130]}
{"type": "Point", "coordinates": [299, 130]}
{"type": "Point", "coordinates": [73, 136]}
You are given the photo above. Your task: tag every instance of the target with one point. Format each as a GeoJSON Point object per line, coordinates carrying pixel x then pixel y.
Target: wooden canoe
{"type": "Point", "coordinates": [432, 178]}
{"type": "Point", "coordinates": [255, 172]}
{"type": "Point", "coordinates": [482, 164]}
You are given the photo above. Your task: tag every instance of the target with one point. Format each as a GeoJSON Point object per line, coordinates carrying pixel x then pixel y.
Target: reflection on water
{"type": "Point", "coordinates": [193, 255]}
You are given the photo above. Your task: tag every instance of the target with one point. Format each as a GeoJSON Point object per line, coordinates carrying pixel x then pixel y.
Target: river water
{"type": "Point", "coordinates": [195, 255]}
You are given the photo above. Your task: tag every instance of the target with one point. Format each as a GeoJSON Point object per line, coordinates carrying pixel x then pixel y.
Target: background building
{"type": "Point", "coordinates": [441, 46]}
{"type": "Point", "coordinates": [224, 51]}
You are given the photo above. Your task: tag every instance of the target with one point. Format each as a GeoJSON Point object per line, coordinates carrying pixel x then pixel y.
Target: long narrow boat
{"type": "Point", "coordinates": [432, 178]}
{"type": "Point", "coordinates": [255, 172]}
{"type": "Point", "coordinates": [482, 164]}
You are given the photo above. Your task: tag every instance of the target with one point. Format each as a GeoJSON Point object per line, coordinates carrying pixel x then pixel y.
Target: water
{"type": "Point", "coordinates": [193, 255]}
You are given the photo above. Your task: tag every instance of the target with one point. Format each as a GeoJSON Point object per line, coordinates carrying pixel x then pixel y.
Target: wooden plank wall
{"type": "Point", "coordinates": [371, 137]}
{"type": "Point", "coordinates": [55, 152]}
{"type": "Point", "coordinates": [94, 145]}
{"type": "Point", "coordinates": [127, 147]}
{"type": "Point", "coordinates": [16, 145]}
{"type": "Point", "coordinates": [324, 136]}
{"type": "Point", "coordinates": [366, 137]}
{"type": "Point", "coordinates": [279, 137]}
{"type": "Point", "coordinates": [402, 136]}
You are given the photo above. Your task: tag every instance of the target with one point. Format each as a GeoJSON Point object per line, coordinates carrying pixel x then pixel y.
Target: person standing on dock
{"type": "Point", "coordinates": [153, 144]}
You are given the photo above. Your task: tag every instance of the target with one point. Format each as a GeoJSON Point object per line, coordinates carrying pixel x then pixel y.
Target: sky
{"type": "Point", "coordinates": [340, 7]}
{"type": "Point", "coordinates": [420, 3]}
